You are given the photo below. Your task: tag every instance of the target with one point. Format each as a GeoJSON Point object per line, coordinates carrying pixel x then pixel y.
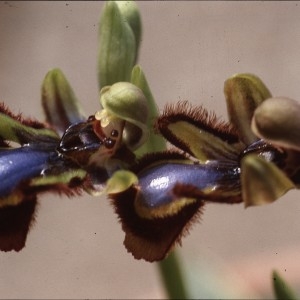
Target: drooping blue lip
{"type": "Point", "coordinates": [19, 164]}
{"type": "Point", "coordinates": [157, 182]}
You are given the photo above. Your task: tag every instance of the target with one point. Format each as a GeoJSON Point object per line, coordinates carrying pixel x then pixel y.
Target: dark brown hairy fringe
{"type": "Point", "coordinates": [27, 122]}
{"type": "Point", "coordinates": [199, 117]}
{"type": "Point", "coordinates": [152, 239]}
{"type": "Point", "coordinates": [15, 223]}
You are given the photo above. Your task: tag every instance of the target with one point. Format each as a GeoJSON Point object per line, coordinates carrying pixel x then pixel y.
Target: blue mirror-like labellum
{"type": "Point", "coordinates": [157, 182]}
{"type": "Point", "coordinates": [19, 164]}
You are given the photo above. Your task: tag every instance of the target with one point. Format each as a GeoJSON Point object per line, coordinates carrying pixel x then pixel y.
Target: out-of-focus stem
{"type": "Point", "coordinates": [172, 277]}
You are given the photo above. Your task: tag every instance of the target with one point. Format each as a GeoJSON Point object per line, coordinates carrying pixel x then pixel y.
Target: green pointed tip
{"type": "Point", "coordinates": [120, 181]}
{"type": "Point", "coordinates": [281, 288]}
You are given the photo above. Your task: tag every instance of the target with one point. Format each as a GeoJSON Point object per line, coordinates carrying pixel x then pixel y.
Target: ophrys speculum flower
{"type": "Point", "coordinates": [61, 156]}
{"type": "Point", "coordinates": [219, 162]}
{"type": "Point", "coordinates": [163, 192]}
{"type": "Point", "coordinates": [158, 196]}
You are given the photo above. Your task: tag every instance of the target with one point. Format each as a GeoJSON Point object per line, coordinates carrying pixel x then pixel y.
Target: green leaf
{"type": "Point", "coordinates": [154, 142]}
{"type": "Point", "coordinates": [117, 46]}
{"type": "Point", "coordinates": [59, 101]}
{"type": "Point", "coordinates": [281, 289]}
{"type": "Point", "coordinates": [244, 93]}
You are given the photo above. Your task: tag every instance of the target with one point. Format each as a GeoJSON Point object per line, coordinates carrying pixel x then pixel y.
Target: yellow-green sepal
{"type": "Point", "coordinates": [244, 93]}
{"type": "Point", "coordinates": [60, 104]}
{"type": "Point", "coordinates": [154, 141]}
{"type": "Point", "coordinates": [262, 181]}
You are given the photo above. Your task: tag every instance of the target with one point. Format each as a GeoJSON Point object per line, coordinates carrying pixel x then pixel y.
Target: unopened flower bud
{"type": "Point", "coordinates": [118, 50]}
{"type": "Point", "coordinates": [277, 120]}
{"type": "Point", "coordinates": [126, 101]}
{"type": "Point", "coordinates": [129, 10]}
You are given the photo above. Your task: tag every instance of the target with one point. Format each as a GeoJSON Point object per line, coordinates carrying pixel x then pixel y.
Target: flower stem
{"type": "Point", "coordinates": [172, 277]}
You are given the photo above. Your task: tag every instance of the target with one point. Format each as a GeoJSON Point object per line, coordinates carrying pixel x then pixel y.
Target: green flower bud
{"type": "Point", "coordinates": [262, 181]}
{"type": "Point", "coordinates": [59, 102]}
{"type": "Point", "coordinates": [125, 101]}
{"type": "Point", "coordinates": [129, 10]}
{"type": "Point", "coordinates": [118, 47]}
{"type": "Point", "coordinates": [277, 120]}
{"type": "Point", "coordinates": [244, 93]}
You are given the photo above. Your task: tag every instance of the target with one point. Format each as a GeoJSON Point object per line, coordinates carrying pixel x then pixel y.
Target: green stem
{"type": "Point", "coordinates": [173, 279]}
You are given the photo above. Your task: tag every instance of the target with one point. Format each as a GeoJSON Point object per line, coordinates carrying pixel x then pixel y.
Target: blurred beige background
{"type": "Point", "coordinates": [188, 49]}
